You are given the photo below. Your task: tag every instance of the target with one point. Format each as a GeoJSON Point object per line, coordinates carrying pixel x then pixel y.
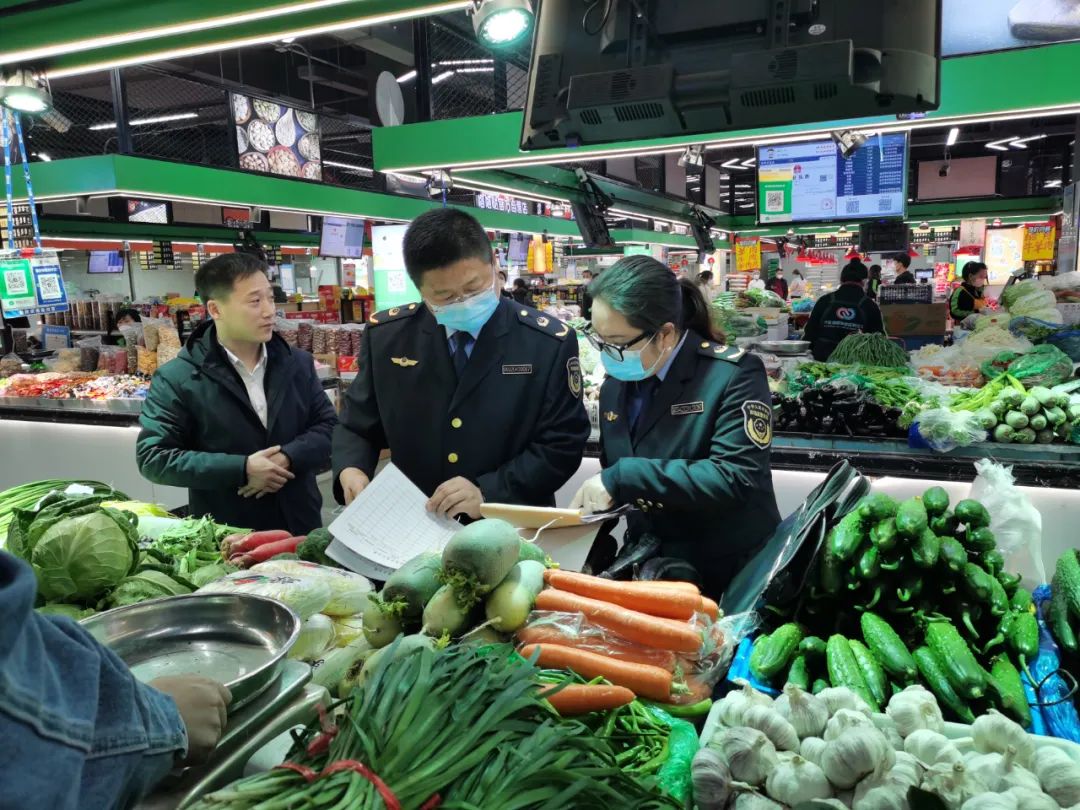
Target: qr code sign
{"type": "Point", "coordinates": [774, 201]}
{"type": "Point", "coordinates": [49, 287]}
{"type": "Point", "coordinates": [851, 207]}
{"type": "Point", "coordinates": [15, 282]}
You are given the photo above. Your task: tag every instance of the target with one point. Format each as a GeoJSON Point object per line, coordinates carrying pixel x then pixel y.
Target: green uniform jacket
{"type": "Point", "coordinates": [198, 428]}
{"type": "Point", "coordinates": [698, 464]}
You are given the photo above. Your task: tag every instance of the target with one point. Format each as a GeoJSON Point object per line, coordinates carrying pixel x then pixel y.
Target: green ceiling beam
{"type": "Point", "coordinates": [53, 225]}
{"type": "Point", "coordinates": [972, 87]}
{"type": "Point", "coordinates": [115, 175]}
{"type": "Point", "coordinates": [92, 34]}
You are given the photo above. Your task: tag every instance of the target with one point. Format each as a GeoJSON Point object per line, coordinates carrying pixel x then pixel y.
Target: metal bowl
{"type": "Point", "coordinates": [237, 639]}
{"type": "Point", "coordinates": [786, 347]}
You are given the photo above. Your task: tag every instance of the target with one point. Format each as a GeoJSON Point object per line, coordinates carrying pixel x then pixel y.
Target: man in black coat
{"type": "Point", "coordinates": [845, 311]}
{"type": "Point", "coordinates": [478, 398]}
{"type": "Point", "coordinates": [239, 417]}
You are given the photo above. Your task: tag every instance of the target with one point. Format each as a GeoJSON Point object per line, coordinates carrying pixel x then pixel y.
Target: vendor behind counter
{"type": "Point", "coordinates": [844, 312]}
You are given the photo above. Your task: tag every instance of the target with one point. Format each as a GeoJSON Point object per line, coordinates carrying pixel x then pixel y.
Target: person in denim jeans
{"type": "Point", "coordinates": [77, 729]}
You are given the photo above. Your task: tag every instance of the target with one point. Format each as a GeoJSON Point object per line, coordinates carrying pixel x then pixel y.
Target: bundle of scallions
{"type": "Point", "coordinates": [464, 724]}
{"type": "Point", "coordinates": [26, 496]}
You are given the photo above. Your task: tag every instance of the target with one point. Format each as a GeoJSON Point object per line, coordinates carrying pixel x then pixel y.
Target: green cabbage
{"type": "Point", "coordinates": [146, 584]}
{"type": "Point", "coordinates": [81, 556]}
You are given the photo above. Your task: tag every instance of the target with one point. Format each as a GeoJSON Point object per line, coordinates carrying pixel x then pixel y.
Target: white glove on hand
{"type": "Point", "coordinates": [592, 497]}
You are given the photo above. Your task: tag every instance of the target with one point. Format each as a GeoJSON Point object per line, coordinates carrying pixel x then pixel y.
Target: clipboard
{"type": "Point", "coordinates": [544, 517]}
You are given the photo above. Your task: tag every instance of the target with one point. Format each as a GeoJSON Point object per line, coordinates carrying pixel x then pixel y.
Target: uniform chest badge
{"type": "Point", "coordinates": [610, 416]}
{"type": "Point", "coordinates": [757, 423]}
{"type": "Point", "coordinates": [524, 368]}
{"type": "Point", "coordinates": [404, 362]}
{"type": "Point", "coordinates": [687, 408]}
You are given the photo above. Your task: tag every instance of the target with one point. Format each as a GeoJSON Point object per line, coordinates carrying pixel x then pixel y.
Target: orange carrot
{"type": "Point", "coordinates": [710, 608]}
{"type": "Point", "coordinates": [665, 634]}
{"type": "Point", "coordinates": [622, 650]}
{"type": "Point", "coordinates": [670, 604]}
{"type": "Point", "coordinates": [666, 584]}
{"type": "Point", "coordinates": [576, 698]}
{"type": "Point", "coordinates": [641, 679]}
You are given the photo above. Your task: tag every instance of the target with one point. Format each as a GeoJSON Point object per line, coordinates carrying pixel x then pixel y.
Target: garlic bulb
{"type": "Point", "coordinates": [845, 797]}
{"type": "Point", "coordinates": [749, 754]}
{"type": "Point", "coordinates": [999, 772]}
{"type": "Point", "coordinates": [797, 781]}
{"type": "Point", "coordinates": [907, 769]}
{"type": "Point", "coordinates": [1032, 800]}
{"type": "Point", "coordinates": [843, 720]}
{"type": "Point", "coordinates": [806, 713]}
{"type": "Point", "coordinates": [737, 701]}
{"type": "Point", "coordinates": [931, 748]}
{"type": "Point", "coordinates": [811, 749]}
{"type": "Point", "coordinates": [881, 791]}
{"type": "Point", "coordinates": [854, 754]}
{"type": "Point", "coordinates": [894, 738]}
{"type": "Point", "coordinates": [951, 783]}
{"type": "Point", "coordinates": [915, 708]}
{"type": "Point", "coordinates": [1059, 775]}
{"type": "Point", "coordinates": [754, 801]}
{"type": "Point", "coordinates": [769, 722]}
{"type": "Point", "coordinates": [833, 804]}
{"type": "Point", "coordinates": [993, 732]}
{"type": "Point", "coordinates": [711, 778]}
{"type": "Point", "coordinates": [991, 801]}
{"type": "Point", "coordinates": [837, 697]}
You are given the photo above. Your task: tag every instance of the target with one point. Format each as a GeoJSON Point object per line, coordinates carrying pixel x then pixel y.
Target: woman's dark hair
{"type": "Point", "coordinates": [128, 312]}
{"type": "Point", "coordinates": [875, 271]}
{"type": "Point", "coordinates": [797, 272]}
{"type": "Point", "coordinates": [648, 295]}
{"type": "Point", "coordinates": [705, 275]}
{"type": "Point", "coordinates": [971, 268]}
{"type": "Point", "coordinates": [519, 283]}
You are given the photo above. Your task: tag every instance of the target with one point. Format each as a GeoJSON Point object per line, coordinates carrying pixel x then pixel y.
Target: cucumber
{"type": "Point", "coordinates": [776, 653]}
{"type": "Point", "coordinates": [1009, 690]}
{"type": "Point", "coordinates": [813, 647]}
{"type": "Point", "coordinates": [799, 672]}
{"type": "Point", "coordinates": [819, 685]}
{"type": "Point", "coordinates": [933, 674]}
{"type": "Point", "coordinates": [509, 605]}
{"type": "Point", "coordinates": [980, 540]}
{"type": "Point", "coordinates": [478, 557]}
{"type": "Point", "coordinates": [844, 669]}
{"type": "Point", "coordinates": [831, 573]}
{"type": "Point", "coordinates": [911, 518]}
{"type": "Point", "coordinates": [972, 514]}
{"type": "Point", "coordinates": [410, 588]}
{"type": "Point", "coordinates": [1021, 600]}
{"type": "Point", "coordinates": [444, 614]}
{"type": "Point", "coordinates": [876, 507]}
{"type": "Point", "coordinates": [846, 536]}
{"type": "Point", "coordinates": [872, 671]}
{"type": "Point", "coordinates": [963, 671]}
{"type": "Point", "coordinates": [936, 501]}
{"type": "Point", "coordinates": [1067, 573]}
{"type": "Point", "coordinates": [1009, 582]}
{"type": "Point", "coordinates": [999, 600]}
{"type": "Point", "coordinates": [992, 561]}
{"type": "Point", "coordinates": [888, 647]}
{"type": "Point", "coordinates": [952, 556]}
{"type": "Point", "coordinates": [944, 525]}
{"type": "Point", "coordinates": [978, 582]}
{"type": "Point", "coordinates": [869, 564]}
{"type": "Point", "coordinates": [925, 550]}
{"type": "Point", "coordinates": [757, 652]}
{"type": "Point", "coordinates": [886, 537]}
{"type": "Point", "coordinates": [1023, 634]}
{"type": "Point", "coordinates": [1058, 616]}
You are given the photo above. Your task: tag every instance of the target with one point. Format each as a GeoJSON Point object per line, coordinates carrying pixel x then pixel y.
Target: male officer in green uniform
{"type": "Point", "coordinates": [685, 425]}
{"type": "Point", "coordinates": [477, 397]}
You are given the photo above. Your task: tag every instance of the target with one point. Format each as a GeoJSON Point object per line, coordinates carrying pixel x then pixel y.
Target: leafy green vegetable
{"type": "Point", "coordinates": [75, 612]}
{"type": "Point", "coordinates": [314, 548]}
{"type": "Point", "coordinates": [146, 584]}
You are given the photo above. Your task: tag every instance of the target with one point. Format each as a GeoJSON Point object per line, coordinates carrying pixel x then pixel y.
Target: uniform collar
{"type": "Point", "coordinates": [663, 370]}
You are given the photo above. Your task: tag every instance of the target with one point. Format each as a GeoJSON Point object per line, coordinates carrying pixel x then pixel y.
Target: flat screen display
{"type": "Point", "coordinates": [811, 181]}
{"type": "Point", "coordinates": [151, 211]}
{"type": "Point", "coordinates": [287, 276]}
{"type": "Point", "coordinates": [342, 237]}
{"type": "Point", "coordinates": [105, 261]}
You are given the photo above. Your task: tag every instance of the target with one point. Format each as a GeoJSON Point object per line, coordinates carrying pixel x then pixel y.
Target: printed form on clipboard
{"type": "Point", "coordinates": [386, 526]}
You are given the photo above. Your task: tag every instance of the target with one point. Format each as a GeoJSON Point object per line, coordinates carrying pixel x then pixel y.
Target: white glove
{"type": "Point", "coordinates": [592, 497]}
{"type": "Point", "coordinates": [970, 321]}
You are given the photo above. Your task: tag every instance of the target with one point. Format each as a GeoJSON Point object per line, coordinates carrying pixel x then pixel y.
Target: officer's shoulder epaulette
{"type": "Point", "coordinates": [393, 314]}
{"type": "Point", "coordinates": [721, 351]}
{"type": "Point", "coordinates": [552, 327]}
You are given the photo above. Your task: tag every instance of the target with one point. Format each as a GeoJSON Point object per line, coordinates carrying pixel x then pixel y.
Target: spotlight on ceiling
{"type": "Point", "coordinates": [24, 92]}
{"type": "Point", "coordinates": [499, 23]}
{"type": "Point", "coordinates": [692, 158]}
{"type": "Point", "coordinates": [848, 142]}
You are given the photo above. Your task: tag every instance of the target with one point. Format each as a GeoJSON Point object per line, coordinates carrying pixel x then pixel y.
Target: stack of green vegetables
{"type": "Point", "coordinates": [1015, 414]}
{"type": "Point", "coordinates": [904, 593]}
{"type": "Point", "coordinates": [466, 725]}
{"type": "Point", "coordinates": [27, 496]}
{"type": "Point", "coordinates": [872, 349]}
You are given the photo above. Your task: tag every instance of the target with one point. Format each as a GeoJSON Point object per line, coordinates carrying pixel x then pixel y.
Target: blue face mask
{"type": "Point", "coordinates": [630, 368]}
{"type": "Point", "coordinates": [469, 315]}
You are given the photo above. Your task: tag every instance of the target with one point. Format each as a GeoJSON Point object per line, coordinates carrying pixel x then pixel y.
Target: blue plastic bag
{"type": "Point", "coordinates": [1057, 708]}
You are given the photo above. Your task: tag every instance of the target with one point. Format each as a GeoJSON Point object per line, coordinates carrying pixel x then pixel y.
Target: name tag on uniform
{"type": "Point", "coordinates": [687, 408]}
{"type": "Point", "coordinates": [523, 369]}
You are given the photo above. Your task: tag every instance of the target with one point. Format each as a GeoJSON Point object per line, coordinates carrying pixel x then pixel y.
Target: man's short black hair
{"type": "Point", "coordinates": [128, 312]}
{"type": "Point", "coordinates": [442, 237]}
{"type": "Point", "coordinates": [216, 278]}
{"type": "Point", "coordinates": [854, 271]}
{"type": "Point", "coordinates": [904, 259]}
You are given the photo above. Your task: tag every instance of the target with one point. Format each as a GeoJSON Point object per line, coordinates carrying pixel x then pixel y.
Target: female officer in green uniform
{"type": "Point", "coordinates": [685, 424]}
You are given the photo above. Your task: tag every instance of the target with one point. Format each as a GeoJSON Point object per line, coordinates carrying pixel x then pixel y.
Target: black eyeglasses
{"type": "Point", "coordinates": [614, 350]}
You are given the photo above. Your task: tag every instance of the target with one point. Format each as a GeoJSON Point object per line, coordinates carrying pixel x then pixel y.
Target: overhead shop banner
{"type": "Point", "coordinates": [1039, 242]}
{"type": "Point", "coordinates": [979, 26]}
{"type": "Point", "coordinates": [274, 139]}
{"type": "Point", "coordinates": [393, 287]}
{"type": "Point", "coordinates": [747, 254]}
{"type": "Point", "coordinates": [31, 286]}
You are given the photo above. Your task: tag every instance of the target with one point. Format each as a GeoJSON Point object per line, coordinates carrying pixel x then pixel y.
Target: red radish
{"type": "Point", "coordinates": [242, 543]}
{"type": "Point", "coordinates": [265, 551]}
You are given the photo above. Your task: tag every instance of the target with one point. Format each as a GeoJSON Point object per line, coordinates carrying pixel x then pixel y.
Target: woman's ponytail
{"type": "Point", "coordinates": [696, 312]}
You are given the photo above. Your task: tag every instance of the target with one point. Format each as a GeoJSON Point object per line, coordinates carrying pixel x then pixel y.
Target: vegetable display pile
{"type": "Point", "coordinates": [904, 593]}
{"type": "Point", "coordinates": [460, 729]}
{"type": "Point", "coordinates": [27, 496]}
{"type": "Point", "coordinates": [1011, 413]}
{"type": "Point", "coordinates": [829, 751]}
{"type": "Point", "coordinates": [869, 350]}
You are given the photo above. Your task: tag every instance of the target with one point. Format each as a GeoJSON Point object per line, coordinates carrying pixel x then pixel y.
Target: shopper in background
{"type": "Point", "coordinates": [759, 283]}
{"type": "Point", "coordinates": [905, 276]}
{"type": "Point", "coordinates": [798, 285]}
{"type": "Point", "coordinates": [844, 312]}
{"type": "Point", "coordinates": [520, 292]}
{"type": "Point", "coordinates": [778, 284]}
{"type": "Point", "coordinates": [128, 317]}
{"type": "Point", "coordinates": [503, 291]}
{"type": "Point", "coordinates": [586, 296]}
{"type": "Point", "coordinates": [873, 284]}
{"type": "Point", "coordinates": [685, 426]}
{"type": "Point", "coordinates": [968, 299]}
{"type": "Point", "coordinates": [705, 284]}
{"type": "Point", "coordinates": [79, 729]}
{"type": "Point", "coordinates": [239, 417]}
{"type": "Point", "coordinates": [477, 399]}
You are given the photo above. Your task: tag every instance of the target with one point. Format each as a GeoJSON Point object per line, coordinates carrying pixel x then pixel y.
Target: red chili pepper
{"type": "Point", "coordinates": [266, 551]}
{"type": "Point", "coordinates": [242, 543]}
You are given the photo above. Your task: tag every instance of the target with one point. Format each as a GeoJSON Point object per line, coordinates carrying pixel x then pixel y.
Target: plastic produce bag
{"type": "Point", "coordinates": [1068, 342]}
{"type": "Point", "coordinates": [1014, 520]}
{"type": "Point", "coordinates": [1044, 365]}
{"type": "Point", "coordinates": [305, 595]}
{"type": "Point", "coordinates": [1039, 325]}
{"type": "Point", "coordinates": [348, 591]}
{"type": "Point", "coordinates": [944, 430]}
{"type": "Point", "coordinates": [316, 637]}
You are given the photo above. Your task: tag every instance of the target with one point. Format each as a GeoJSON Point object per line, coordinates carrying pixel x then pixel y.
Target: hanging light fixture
{"type": "Point", "coordinates": [912, 252]}
{"type": "Point", "coordinates": [499, 23]}
{"type": "Point", "coordinates": [853, 253]}
{"type": "Point", "coordinates": [23, 92]}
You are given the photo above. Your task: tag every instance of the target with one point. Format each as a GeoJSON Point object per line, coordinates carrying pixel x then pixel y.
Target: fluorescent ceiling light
{"type": "Point", "coordinates": [954, 135]}
{"type": "Point", "coordinates": [749, 164]}
{"type": "Point", "coordinates": [1053, 184]}
{"type": "Point", "coordinates": [474, 70]}
{"type": "Point", "coordinates": [455, 62]}
{"type": "Point", "coordinates": [24, 93]}
{"type": "Point", "coordinates": [364, 170]}
{"type": "Point", "coordinates": [734, 163]}
{"type": "Point", "coordinates": [157, 119]}
{"type": "Point", "coordinates": [1021, 143]}
{"type": "Point", "coordinates": [743, 185]}
{"type": "Point", "coordinates": [406, 77]}
{"type": "Point", "coordinates": [1002, 145]}
{"type": "Point", "coordinates": [442, 77]}
{"type": "Point", "coordinates": [43, 156]}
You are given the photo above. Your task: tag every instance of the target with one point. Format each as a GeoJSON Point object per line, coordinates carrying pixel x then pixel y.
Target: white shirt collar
{"type": "Point", "coordinates": [239, 364]}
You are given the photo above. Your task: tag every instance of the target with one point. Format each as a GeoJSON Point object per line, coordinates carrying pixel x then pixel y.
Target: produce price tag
{"type": "Point", "coordinates": [55, 337]}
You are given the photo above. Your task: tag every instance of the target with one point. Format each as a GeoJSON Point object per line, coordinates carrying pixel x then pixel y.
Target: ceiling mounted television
{"type": "Point", "coordinates": [105, 261]}
{"type": "Point", "coordinates": [812, 181]}
{"type": "Point", "coordinates": [630, 69]}
{"type": "Point", "coordinates": [342, 238]}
